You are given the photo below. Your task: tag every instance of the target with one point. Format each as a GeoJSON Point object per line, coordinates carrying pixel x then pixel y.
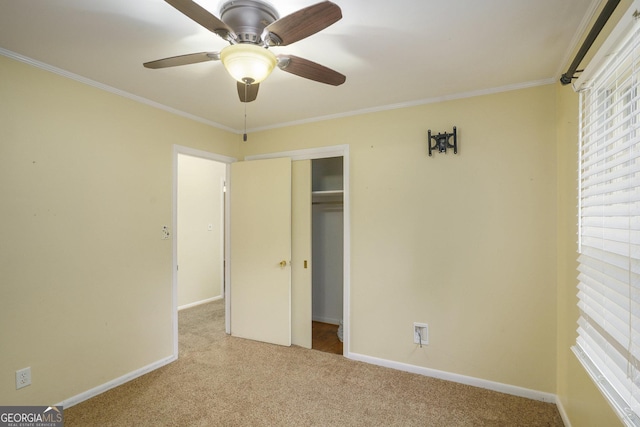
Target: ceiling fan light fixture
{"type": "Point", "coordinates": [248, 63]}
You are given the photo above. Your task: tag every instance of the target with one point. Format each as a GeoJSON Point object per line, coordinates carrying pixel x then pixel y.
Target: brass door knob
{"type": "Point", "coordinates": [283, 264]}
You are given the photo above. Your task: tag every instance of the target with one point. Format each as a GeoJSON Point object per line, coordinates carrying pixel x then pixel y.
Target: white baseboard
{"type": "Point", "coordinates": [67, 403]}
{"type": "Point", "coordinates": [462, 379]}
{"type": "Point", "coordinates": [563, 413]}
{"type": "Point", "coordinates": [204, 301]}
{"type": "Point", "coordinates": [326, 320]}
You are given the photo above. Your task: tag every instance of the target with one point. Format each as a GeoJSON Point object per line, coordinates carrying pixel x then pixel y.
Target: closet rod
{"type": "Point", "coordinates": [606, 13]}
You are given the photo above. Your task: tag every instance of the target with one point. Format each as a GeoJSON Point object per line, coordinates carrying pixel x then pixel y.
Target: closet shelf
{"type": "Point", "coordinates": [327, 196]}
{"type": "Point", "coordinates": [327, 193]}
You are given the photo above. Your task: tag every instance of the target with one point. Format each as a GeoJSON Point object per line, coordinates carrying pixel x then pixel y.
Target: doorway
{"type": "Point", "coordinates": [199, 229]}
{"type": "Point", "coordinates": [342, 152]}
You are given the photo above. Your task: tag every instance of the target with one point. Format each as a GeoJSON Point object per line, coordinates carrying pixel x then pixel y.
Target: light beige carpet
{"type": "Point", "coordinates": [224, 381]}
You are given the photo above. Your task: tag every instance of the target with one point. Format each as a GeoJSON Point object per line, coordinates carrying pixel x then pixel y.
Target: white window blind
{"type": "Point", "coordinates": [608, 342]}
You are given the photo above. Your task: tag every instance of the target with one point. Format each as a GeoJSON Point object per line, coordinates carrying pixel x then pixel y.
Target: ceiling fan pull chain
{"type": "Point", "coordinates": [244, 136]}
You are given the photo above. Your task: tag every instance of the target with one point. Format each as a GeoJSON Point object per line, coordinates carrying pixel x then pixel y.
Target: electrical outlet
{"type": "Point", "coordinates": [420, 333]}
{"type": "Point", "coordinates": [23, 378]}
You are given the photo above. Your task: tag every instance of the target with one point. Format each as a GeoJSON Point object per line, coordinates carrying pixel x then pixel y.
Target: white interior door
{"type": "Point", "coordinates": [260, 250]}
{"type": "Point", "coordinates": [301, 253]}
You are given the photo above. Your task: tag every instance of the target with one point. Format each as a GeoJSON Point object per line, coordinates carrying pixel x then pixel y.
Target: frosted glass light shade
{"type": "Point", "coordinates": [248, 63]}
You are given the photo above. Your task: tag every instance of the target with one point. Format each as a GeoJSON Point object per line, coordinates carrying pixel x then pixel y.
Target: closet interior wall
{"type": "Point", "coordinates": [327, 240]}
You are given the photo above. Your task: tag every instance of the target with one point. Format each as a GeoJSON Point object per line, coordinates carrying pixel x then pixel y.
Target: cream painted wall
{"type": "Point", "coordinates": [200, 249]}
{"type": "Point", "coordinates": [86, 185]}
{"type": "Point", "coordinates": [465, 243]}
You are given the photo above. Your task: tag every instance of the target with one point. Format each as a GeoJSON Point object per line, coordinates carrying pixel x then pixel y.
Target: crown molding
{"type": "Point", "coordinates": [409, 104]}
{"type": "Point", "coordinates": [377, 109]}
{"type": "Point", "coordinates": [111, 89]}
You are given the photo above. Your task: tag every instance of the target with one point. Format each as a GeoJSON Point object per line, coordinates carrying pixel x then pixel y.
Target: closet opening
{"type": "Point", "coordinates": [327, 254]}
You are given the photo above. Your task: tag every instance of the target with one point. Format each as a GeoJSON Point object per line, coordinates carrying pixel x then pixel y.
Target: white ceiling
{"type": "Point", "coordinates": [394, 53]}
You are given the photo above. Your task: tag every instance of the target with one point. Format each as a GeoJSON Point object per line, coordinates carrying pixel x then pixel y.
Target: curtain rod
{"type": "Point", "coordinates": [606, 13]}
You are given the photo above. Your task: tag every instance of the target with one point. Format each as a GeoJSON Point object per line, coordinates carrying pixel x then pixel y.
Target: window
{"type": "Point", "coordinates": [608, 343]}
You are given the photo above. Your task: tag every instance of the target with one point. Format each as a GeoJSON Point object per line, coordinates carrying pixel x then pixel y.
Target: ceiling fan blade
{"type": "Point", "coordinates": [203, 17]}
{"type": "Point", "coordinates": [248, 93]}
{"type": "Point", "coordinates": [310, 70]}
{"type": "Point", "coordinates": [303, 23]}
{"type": "Point", "coordinates": [191, 58]}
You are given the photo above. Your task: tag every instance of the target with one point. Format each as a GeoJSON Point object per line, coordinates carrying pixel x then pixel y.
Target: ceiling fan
{"type": "Point", "coordinates": [251, 27]}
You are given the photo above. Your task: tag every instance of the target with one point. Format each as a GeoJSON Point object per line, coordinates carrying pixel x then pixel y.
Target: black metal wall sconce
{"type": "Point", "coordinates": [441, 141]}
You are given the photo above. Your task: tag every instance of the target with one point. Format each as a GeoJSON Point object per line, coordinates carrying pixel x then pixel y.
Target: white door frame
{"type": "Point", "coordinates": [321, 153]}
{"type": "Point", "coordinates": [179, 149]}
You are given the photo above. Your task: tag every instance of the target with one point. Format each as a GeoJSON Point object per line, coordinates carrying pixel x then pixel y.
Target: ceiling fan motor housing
{"type": "Point", "coordinates": [248, 19]}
